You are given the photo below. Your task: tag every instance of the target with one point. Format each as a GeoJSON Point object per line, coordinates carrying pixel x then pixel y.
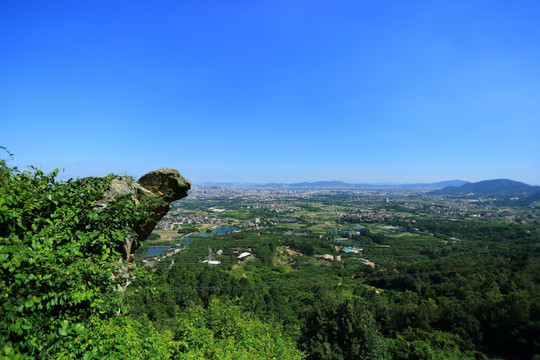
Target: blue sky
{"type": "Point", "coordinates": [274, 91]}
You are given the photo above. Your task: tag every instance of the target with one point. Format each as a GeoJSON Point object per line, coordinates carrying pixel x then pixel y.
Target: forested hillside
{"type": "Point", "coordinates": [432, 289]}
{"type": "Point", "coordinates": [501, 187]}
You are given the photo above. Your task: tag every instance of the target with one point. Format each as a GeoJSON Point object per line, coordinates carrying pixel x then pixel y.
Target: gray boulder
{"type": "Point", "coordinates": [166, 183]}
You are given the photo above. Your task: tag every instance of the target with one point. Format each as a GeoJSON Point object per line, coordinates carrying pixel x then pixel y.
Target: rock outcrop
{"type": "Point", "coordinates": [166, 183]}
{"type": "Point", "coordinates": [170, 186]}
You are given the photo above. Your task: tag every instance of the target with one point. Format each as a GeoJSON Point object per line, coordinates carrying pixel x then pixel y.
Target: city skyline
{"type": "Point", "coordinates": [286, 92]}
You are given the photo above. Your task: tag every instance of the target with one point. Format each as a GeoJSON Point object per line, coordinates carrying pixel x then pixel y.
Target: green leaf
{"type": "Point", "coordinates": [28, 303]}
{"type": "Point", "coordinates": [26, 325]}
{"type": "Point", "coordinates": [8, 305]}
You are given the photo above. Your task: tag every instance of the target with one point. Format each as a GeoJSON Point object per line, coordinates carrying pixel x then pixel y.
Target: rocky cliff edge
{"type": "Point", "coordinates": [167, 184]}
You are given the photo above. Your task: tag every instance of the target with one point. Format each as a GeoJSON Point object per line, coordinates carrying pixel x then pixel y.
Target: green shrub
{"type": "Point", "coordinates": [58, 256]}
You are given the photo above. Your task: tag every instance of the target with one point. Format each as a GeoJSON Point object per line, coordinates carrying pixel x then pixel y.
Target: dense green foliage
{"type": "Point", "coordinates": [342, 327]}
{"type": "Point", "coordinates": [440, 289]}
{"type": "Point", "coordinates": [436, 298]}
{"type": "Point", "coordinates": [57, 254]}
{"type": "Point", "coordinates": [61, 281]}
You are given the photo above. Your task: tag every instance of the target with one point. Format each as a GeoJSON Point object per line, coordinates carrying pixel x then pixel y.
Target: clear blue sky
{"type": "Point", "coordinates": [263, 91]}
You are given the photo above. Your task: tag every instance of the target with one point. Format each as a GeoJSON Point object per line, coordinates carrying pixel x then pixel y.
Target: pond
{"type": "Point", "coordinates": [204, 235]}
{"type": "Point", "coordinates": [184, 243]}
{"type": "Point", "coordinates": [157, 250]}
{"type": "Point", "coordinates": [357, 227]}
{"type": "Point", "coordinates": [225, 230]}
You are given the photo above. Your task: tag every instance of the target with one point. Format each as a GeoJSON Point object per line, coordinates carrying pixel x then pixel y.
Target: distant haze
{"type": "Point", "coordinates": [344, 185]}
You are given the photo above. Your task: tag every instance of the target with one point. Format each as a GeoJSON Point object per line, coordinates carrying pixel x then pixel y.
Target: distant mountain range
{"type": "Point", "coordinates": [435, 185]}
{"type": "Point", "coordinates": [499, 187]}
{"type": "Point", "coordinates": [343, 185]}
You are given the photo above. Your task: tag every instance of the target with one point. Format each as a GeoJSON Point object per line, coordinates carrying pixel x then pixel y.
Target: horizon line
{"type": "Point", "coordinates": [381, 183]}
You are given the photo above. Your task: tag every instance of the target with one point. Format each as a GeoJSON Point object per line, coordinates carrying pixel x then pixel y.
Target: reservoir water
{"type": "Point", "coordinates": [225, 230]}
{"type": "Point", "coordinates": [157, 250]}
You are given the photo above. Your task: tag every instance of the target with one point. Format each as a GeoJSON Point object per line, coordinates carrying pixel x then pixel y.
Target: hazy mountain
{"type": "Point", "coordinates": [443, 184]}
{"type": "Point", "coordinates": [322, 184]}
{"type": "Point", "coordinates": [436, 185]}
{"type": "Point", "coordinates": [500, 187]}
{"type": "Point", "coordinates": [335, 184]}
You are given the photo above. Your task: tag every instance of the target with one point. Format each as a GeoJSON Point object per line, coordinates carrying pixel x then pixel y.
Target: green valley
{"type": "Point", "coordinates": [260, 272]}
